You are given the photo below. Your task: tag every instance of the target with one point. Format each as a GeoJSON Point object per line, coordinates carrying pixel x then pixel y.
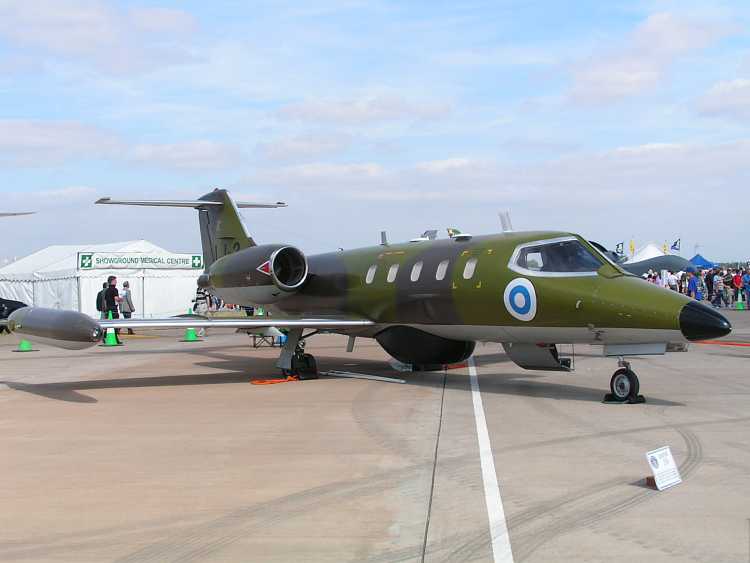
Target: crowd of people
{"type": "Point", "coordinates": [110, 302]}
{"type": "Point", "coordinates": [721, 287]}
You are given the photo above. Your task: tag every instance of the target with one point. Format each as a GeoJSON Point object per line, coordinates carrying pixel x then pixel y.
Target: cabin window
{"type": "Point", "coordinates": [471, 265]}
{"type": "Point", "coordinates": [392, 271]}
{"type": "Point", "coordinates": [441, 270]}
{"type": "Point", "coordinates": [371, 273]}
{"type": "Point", "coordinates": [416, 270]}
{"type": "Point", "coordinates": [557, 256]}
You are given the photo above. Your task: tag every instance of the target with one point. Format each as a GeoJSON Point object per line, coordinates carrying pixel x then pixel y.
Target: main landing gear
{"type": "Point", "coordinates": [293, 359]}
{"type": "Point", "coordinates": [624, 386]}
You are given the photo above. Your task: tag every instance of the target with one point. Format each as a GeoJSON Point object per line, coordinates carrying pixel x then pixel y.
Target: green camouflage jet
{"type": "Point", "coordinates": [426, 302]}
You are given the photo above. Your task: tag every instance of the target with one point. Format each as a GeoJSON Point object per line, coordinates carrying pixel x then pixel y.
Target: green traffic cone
{"type": "Point", "coordinates": [740, 305]}
{"type": "Point", "coordinates": [110, 338]}
{"type": "Point", "coordinates": [190, 334]}
{"type": "Point", "coordinates": [25, 346]}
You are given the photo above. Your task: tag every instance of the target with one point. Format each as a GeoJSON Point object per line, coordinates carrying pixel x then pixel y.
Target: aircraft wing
{"type": "Point", "coordinates": [197, 321]}
{"type": "Point", "coordinates": [16, 214]}
{"type": "Point", "coordinates": [74, 330]}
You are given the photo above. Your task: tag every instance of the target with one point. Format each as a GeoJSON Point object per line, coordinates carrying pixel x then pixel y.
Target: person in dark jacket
{"type": "Point", "coordinates": [708, 279]}
{"type": "Point", "coordinates": [101, 303]}
{"type": "Point", "coordinates": [112, 302]}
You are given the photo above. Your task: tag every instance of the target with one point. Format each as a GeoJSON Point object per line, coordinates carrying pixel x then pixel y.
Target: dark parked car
{"type": "Point", "coordinates": [7, 306]}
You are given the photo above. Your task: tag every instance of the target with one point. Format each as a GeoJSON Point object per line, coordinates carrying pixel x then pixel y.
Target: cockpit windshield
{"type": "Point", "coordinates": [557, 256]}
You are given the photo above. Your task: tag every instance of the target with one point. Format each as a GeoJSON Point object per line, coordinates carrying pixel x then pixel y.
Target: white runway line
{"type": "Point", "coordinates": [501, 550]}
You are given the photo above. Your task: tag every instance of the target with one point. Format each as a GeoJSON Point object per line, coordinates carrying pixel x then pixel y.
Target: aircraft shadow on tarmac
{"type": "Point", "coordinates": [242, 369]}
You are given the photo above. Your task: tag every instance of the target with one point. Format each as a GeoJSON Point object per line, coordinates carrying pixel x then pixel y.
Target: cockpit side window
{"type": "Point", "coordinates": [557, 256]}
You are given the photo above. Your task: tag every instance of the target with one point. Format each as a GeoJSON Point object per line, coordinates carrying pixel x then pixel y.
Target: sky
{"type": "Point", "coordinates": [615, 120]}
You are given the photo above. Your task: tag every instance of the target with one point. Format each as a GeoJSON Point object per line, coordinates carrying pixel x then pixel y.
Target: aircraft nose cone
{"type": "Point", "coordinates": [699, 322]}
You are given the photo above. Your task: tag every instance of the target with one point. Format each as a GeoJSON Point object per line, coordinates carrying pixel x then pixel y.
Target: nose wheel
{"type": "Point", "coordinates": [624, 386]}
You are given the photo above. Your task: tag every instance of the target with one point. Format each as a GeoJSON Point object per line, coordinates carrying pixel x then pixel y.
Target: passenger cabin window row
{"type": "Point", "coordinates": [416, 271]}
{"type": "Point", "coordinates": [565, 256]}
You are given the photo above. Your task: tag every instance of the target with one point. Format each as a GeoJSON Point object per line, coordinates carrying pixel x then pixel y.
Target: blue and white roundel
{"type": "Point", "coordinates": [520, 299]}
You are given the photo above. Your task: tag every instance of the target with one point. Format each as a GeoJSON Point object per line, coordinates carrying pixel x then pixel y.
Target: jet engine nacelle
{"type": "Point", "coordinates": [259, 274]}
{"type": "Point", "coordinates": [421, 349]}
{"type": "Point", "coordinates": [63, 329]}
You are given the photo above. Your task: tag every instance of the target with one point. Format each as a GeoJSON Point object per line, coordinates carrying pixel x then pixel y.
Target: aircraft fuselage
{"type": "Point", "coordinates": [458, 289]}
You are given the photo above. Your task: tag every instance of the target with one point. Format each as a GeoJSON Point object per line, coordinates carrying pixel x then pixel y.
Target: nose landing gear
{"type": "Point", "coordinates": [624, 386]}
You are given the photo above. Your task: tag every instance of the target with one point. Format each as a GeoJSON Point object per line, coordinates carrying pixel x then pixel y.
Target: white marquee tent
{"type": "Point", "coordinates": [70, 276]}
{"type": "Point", "coordinates": [646, 253]}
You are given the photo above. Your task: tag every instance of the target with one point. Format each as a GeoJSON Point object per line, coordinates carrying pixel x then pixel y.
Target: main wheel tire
{"type": "Point", "coordinates": [624, 385]}
{"type": "Point", "coordinates": [310, 363]}
{"type": "Point", "coordinates": [307, 367]}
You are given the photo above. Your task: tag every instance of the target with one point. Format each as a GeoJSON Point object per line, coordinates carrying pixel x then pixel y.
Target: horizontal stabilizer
{"type": "Point", "coordinates": [222, 227]}
{"type": "Point", "coordinates": [196, 204]}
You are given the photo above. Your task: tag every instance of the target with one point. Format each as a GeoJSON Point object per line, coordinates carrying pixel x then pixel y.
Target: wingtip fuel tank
{"type": "Point", "coordinates": [62, 329]}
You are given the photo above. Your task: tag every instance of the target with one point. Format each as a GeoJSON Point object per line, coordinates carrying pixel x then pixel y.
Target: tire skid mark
{"type": "Point", "coordinates": [525, 542]}
{"type": "Point", "coordinates": [619, 432]}
{"type": "Point", "coordinates": [201, 540]}
{"type": "Point", "coordinates": [367, 412]}
{"type": "Point", "coordinates": [658, 544]}
{"type": "Point", "coordinates": [529, 541]}
{"type": "Point", "coordinates": [578, 509]}
{"type": "Point", "coordinates": [197, 541]}
{"type": "Point", "coordinates": [285, 507]}
{"type": "Point", "coordinates": [205, 539]}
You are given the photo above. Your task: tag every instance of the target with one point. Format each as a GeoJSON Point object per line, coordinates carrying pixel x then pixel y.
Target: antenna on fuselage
{"type": "Point", "coordinates": [426, 236]}
{"type": "Point", "coordinates": [505, 221]}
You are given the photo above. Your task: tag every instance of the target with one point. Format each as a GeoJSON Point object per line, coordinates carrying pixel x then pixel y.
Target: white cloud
{"type": "Point", "coordinates": [730, 99]}
{"type": "Point", "coordinates": [32, 142]}
{"type": "Point", "coordinates": [192, 155]}
{"type": "Point", "coordinates": [95, 32]}
{"type": "Point", "coordinates": [666, 35]}
{"type": "Point", "coordinates": [363, 110]}
{"type": "Point", "coordinates": [455, 164]}
{"type": "Point", "coordinates": [509, 55]}
{"type": "Point", "coordinates": [628, 176]}
{"type": "Point", "coordinates": [68, 193]}
{"type": "Point", "coordinates": [641, 63]}
{"type": "Point", "coordinates": [653, 191]}
{"type": "Point", "coordinates": [448, 179]}
{"type": "Point", "coordinates": [162, 20]}
{"type": "Point", "coordinates": [322, 174]}
{"type": "Point", "coordinates": [52, 197]}
{"type": "Point", "coordinates": [303, 147]}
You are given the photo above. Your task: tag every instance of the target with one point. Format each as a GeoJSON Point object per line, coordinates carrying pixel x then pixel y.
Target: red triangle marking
{"type": "Point", "coordinates": [265, 268]}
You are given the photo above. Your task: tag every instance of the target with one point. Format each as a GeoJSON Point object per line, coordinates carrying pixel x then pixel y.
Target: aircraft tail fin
{"type": "Point", "coordinates": [222, 229]}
